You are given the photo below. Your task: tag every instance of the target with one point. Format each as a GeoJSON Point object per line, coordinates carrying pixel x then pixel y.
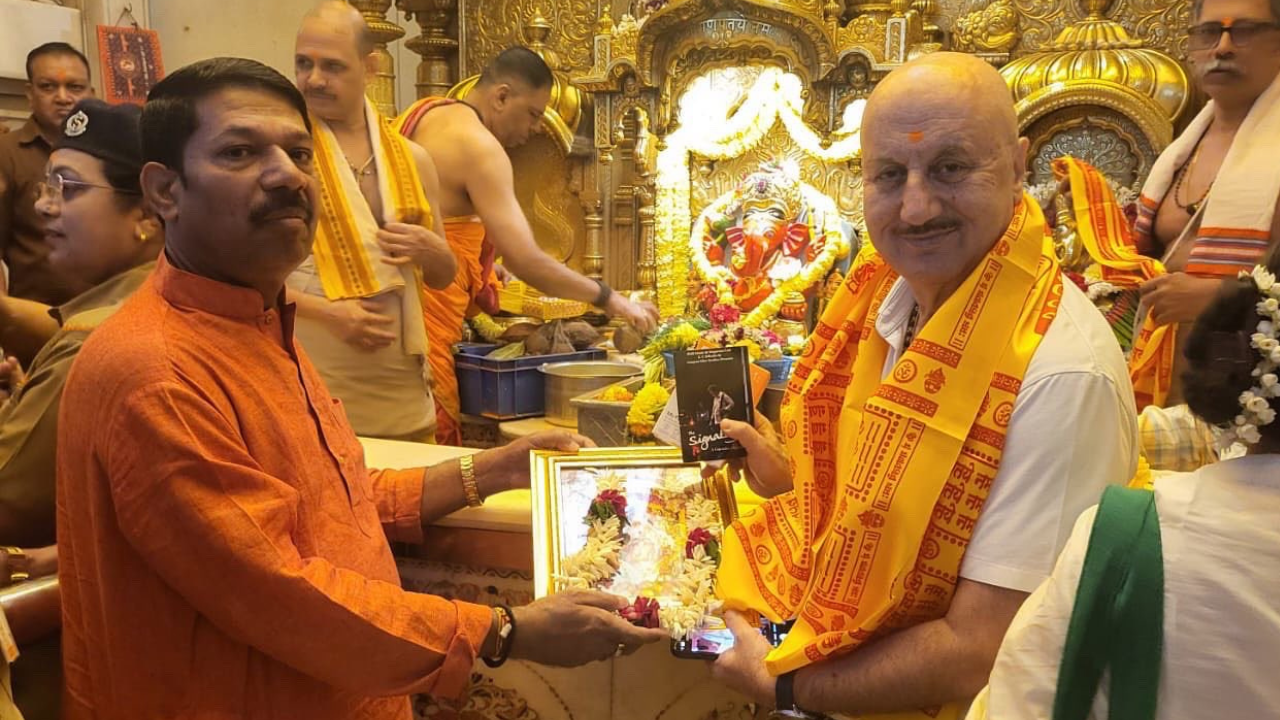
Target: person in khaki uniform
{"type": "Point", "coordinates": [57, 78]}
{"type": "Point", "coordinates": [105, 244]}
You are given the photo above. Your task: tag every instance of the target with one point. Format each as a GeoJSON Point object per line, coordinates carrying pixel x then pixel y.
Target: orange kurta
{"type": "Point", "coordinates": [223, 548]}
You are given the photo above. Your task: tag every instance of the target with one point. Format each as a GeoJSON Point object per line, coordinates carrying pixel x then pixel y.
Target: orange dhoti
{"type": "Point", "coordinates": [445, 310]}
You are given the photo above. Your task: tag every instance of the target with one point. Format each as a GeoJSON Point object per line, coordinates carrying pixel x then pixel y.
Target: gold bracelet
{"type": "Point", "coordinates": [18, 564]}
{"type": "Point", "coordinates": [467, 465]}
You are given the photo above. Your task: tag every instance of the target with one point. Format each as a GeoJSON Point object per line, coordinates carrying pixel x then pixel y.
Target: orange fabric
{"type": "Point", "coordinates": [1105, 232]}
{"type": "Point", "coordinates": [445, 311]}
{"type": "Point", "coordinates": [223, 547]}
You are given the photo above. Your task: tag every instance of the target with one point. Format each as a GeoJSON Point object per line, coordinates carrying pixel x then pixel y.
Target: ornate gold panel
{"type": "Point", "coordinates": [721, 21]}
{"type": "Point", "coordinates": [544, 186]}
{"type": "Point", "coordinates": [1102, 137]}
{"type": "Point", "coordinates": [1158, 23]}
{"type": "Point", "coordinates": [492, 26]}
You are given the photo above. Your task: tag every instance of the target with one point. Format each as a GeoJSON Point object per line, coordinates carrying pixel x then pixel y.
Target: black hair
{"type": "Point", "coordinates": [54, 48]}
{"type": "Point", "coordinates": [1219, 352]}
{"type": "Point", "coordinates": [125, 179]}
{"type": "Point", "coordinates": [170, 117]}
{"type": "Point", "coordinates": [518, 63]}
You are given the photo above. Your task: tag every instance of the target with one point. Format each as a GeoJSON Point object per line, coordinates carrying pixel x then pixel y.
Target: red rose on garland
{"type": "Point", "coordinates": [724, 314]}
{"type": "Point", "coordinates": [609, 503]}
{"type": "Point", "coordinates": [701, 536]}
{"type": "Point", "coordinates": [643, 612]}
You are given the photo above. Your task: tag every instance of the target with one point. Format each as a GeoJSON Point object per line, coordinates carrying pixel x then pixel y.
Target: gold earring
{"type": "Point", "coordinates": [142, 237]}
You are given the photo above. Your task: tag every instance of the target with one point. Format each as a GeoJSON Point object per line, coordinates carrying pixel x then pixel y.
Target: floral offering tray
{"type": "Point", "coordinates": [636, 522]}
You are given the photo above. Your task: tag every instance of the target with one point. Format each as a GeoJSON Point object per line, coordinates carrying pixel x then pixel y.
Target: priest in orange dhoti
{"type": "Point", "coordinates": [468, 139]}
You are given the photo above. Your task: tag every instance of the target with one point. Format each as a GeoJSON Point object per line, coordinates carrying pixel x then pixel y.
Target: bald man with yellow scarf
{"type": "Point", "coordinates": [956, 407]}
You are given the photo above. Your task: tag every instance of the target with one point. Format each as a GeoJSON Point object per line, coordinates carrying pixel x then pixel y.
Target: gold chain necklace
{"type": "Point", "coordinates": [364, 170]}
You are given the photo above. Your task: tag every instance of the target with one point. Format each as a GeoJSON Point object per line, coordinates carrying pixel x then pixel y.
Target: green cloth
{"type": "Point", "coordinates": [1117, 622]}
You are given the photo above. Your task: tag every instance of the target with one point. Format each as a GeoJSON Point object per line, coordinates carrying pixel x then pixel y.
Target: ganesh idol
{"type": "Point", "coordinates": [768, 245]}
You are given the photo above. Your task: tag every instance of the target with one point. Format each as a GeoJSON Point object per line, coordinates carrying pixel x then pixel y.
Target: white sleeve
{"type": "Point", "coordinates": [1071, 434]}
{"type": "Point", "coordinates": [1024, 679]}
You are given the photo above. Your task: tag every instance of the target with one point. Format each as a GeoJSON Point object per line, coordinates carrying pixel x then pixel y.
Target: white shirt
{"type": "Point", "coordinates": [1220, 533]}
{"type": "Point", "coordinates": [1073, 431]}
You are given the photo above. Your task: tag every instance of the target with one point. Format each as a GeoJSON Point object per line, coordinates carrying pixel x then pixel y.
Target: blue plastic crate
{"type": "Point", "coordinates": [506, 389]}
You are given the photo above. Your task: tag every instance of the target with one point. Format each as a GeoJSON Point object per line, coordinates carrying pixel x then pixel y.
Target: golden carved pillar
{"type": "Point", "coordinates": [434, 44]}
{"type": "Point", "coordinates": [382, 91]}
{"type": "Point", "coordinates": [647, 277]}
{"type": "Point", "coordinates": [593, 221]}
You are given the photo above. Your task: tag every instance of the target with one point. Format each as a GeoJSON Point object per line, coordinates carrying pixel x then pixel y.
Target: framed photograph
{"type": "Point", "coordinates": [637, 522]}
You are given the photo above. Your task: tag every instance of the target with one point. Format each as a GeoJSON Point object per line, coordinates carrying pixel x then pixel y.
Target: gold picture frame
{"type": "Point", "coordinates": [561, 495]}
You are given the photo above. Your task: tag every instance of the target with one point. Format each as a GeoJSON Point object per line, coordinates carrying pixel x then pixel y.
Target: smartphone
{"type": "Point", "coordinates": [714, 638]}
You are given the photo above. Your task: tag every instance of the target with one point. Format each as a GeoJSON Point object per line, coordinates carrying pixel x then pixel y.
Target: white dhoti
{"type": "Point", "coordinates": [386, 392]}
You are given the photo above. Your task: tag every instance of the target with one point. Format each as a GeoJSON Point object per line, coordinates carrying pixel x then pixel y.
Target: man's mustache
{"type": "Point", "coordinates": [282, 205]}
{"type": "Point", "coordinates": [933, 227]}
{"type": "Point", "coordinates": [1223, 65]}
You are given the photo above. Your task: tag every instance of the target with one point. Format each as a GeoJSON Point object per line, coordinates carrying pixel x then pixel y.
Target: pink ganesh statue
{"type": "Point", "coordinates": [770, 241]}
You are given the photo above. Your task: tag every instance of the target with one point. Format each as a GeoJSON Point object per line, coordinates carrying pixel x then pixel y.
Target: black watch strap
{"type": "Point", "coordinates": [603, 295]}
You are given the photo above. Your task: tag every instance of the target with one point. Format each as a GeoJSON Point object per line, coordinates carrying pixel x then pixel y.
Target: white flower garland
{"type": "Point", "coordinates": [1255, 406]}
{"type": "Point", "coordinates": [599, 557]}
{"type": "Point", "coordinates": [686, 593]}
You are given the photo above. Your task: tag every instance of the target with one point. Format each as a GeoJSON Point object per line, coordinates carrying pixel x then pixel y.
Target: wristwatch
{"type": "Point", "coordinates": [784, 693]}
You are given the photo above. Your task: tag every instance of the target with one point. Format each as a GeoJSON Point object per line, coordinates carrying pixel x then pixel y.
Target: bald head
{"type": "Point", "coordinates": [942, 167]}
{"type": "Point", "coordinates": [339, 18]}
{"type": "Point", "coordinates": [333, 61]}
{"type": "Point", "coordinates": [947, 80]}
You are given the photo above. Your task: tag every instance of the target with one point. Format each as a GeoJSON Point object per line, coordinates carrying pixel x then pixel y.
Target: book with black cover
{"type": "Point", "coordinates": [712, 385]}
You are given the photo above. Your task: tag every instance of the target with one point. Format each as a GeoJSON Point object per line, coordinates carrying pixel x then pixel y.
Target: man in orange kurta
{"type": "Point", "coordinates": [468, 141]}
{"type": "Point", "coordinates": [223, 548]}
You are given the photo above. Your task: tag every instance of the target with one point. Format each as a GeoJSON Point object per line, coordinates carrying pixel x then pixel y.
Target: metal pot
{"type": "Point", "coordinates": [568, 380]}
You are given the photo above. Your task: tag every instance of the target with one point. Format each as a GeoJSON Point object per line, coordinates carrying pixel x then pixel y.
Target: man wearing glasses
{"type": "Point", "coordinates": [1208, 206]}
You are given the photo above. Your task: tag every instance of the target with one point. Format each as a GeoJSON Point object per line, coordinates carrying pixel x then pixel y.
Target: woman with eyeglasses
{"type": "Point", "coordinates": [102, 235]}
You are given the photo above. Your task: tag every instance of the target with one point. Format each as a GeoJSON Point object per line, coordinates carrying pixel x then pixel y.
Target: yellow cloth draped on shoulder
{"type": "Point", "coordinates": [346, 250]}
{"type": "Point", "coordinates": [1105, 233]}
{"type": "Point", "coordinates": [871, 539]}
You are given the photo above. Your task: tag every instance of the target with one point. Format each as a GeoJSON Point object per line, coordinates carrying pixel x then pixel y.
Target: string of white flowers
{"type": "Point", "coordinates": [1255, 406]}
{"type": "Point", "coordinates": [687, 594]}
{"type": "Point", "coordinates": [598, 559]}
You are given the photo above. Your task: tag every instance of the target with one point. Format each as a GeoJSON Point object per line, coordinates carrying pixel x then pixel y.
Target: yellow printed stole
{"type": "Point", "coordinates": [346, 250]}
{"type": "Point", "coordinates": [871, 538]}
{"type": "Point", "coordinates": [1105, 232]}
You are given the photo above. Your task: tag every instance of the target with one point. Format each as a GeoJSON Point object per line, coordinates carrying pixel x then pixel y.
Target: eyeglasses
{"type": "Point", "coordinates": [1242, 32]}
{"type": "Point", "coordinates": [54, 186]}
